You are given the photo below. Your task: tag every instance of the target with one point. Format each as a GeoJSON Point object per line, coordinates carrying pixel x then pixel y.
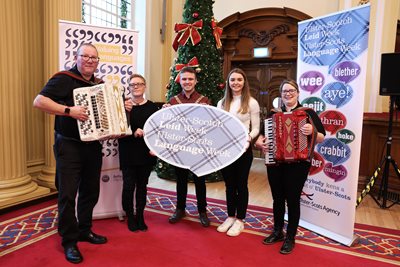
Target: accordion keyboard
{"type": "Point", "coordinates": [269, 135]}
{"type": "Point", "coordinates": [85, 127]}
{"type": "Point", "coordinates": [107, 118]}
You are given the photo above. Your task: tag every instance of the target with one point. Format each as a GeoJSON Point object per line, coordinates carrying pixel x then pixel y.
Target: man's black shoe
{"type": "Point", "coordinates": [204, 219]}
{"type": "Point", "coordinates": [72, 254]}
{"type": "Point", "coordinates": [177, 216]}
{"type": "Point", "coordinates": [287, 246]}
{"type": "Point", "coordinates": [276, 236]}
{"type": "Point", "coordinates": [93, 238]}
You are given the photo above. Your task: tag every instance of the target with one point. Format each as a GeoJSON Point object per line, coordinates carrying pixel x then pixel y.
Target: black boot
{"type": "Point", "coordinates": [275, 236]}
{"type": "Point", "coordinates": [140, 221]}
{"type": "Point", "coordinates": [288, 245]}
{"type": "Point", "coordinates": [132, 222]}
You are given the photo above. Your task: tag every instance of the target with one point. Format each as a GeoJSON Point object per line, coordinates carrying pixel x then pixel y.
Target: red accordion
{"type": "Point", "coordinates": [285, 141]}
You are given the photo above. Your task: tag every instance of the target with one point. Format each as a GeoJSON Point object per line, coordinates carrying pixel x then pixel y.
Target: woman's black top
{"type": "Point", "coordinates": [134, 151]}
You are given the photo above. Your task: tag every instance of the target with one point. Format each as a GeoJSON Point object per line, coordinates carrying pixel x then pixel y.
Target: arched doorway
{"type": "Point", "coordinates": [272, 28]}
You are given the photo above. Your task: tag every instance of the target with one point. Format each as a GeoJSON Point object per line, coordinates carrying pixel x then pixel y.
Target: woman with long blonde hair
{"type": "Point", "coordinates": [239, 102]}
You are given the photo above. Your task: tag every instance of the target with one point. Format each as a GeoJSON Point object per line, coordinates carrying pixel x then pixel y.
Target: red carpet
{"type": "Point", "coordinates": [186, 243]}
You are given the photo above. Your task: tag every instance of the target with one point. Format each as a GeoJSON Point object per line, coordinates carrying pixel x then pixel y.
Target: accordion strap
{"type": "Point", "coordinates": [196, 102]}
{"type": "Point", "coordinates": [177, 99]}
{"type": "Point", "coordinates": [312, 138]}
{"type": "Point", "coordinates": [199, 99]}
{"type": "Point", "coordinates": [276, 110]}
{"type": "Point", "coordinates": [78, 77]}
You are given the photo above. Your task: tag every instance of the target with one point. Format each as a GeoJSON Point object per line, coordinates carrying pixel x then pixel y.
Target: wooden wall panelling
{"type": "Point", "coordinates": [373, 151]}
{"type": "Point", "coordinates": [275, 28]}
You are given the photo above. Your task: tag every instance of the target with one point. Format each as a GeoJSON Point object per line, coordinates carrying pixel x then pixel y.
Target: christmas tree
{"type": "Point", "coordinates": [197, 42]}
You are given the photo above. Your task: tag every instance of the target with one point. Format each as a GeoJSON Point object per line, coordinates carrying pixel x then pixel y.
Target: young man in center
{"type": "Point", "coordinates": [188, 81]}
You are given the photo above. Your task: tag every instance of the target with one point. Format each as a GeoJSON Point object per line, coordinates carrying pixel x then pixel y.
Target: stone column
{"type": "Point", "coordinates": [16, 184]}
{"type": "Point", "coordinates": [54, 10]}
{"type": "Point", "coordinates": [32, 50]}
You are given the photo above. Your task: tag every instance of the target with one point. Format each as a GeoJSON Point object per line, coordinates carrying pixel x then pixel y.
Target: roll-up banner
{"type": "Point", "coordinates": [332, 64]}
{"type": "Point", "coordinates": [118, 52]}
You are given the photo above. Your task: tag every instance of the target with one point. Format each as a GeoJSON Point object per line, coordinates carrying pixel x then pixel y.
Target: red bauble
{"type": "Point", "coordinates": [195, 15]}
{"type": "Point", "coordinates": [222, 85]}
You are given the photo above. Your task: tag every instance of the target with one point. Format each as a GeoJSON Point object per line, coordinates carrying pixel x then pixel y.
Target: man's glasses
{"type": "Point", "coordinates": [290, 91]}
{"type": "Point", "coordinates": [133, 85]}
{"type": "Point", "coordinates": [86, 58]}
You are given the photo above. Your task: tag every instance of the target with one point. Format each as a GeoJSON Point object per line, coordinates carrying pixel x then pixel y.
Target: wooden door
{"type": "Point", "coordinates": [264, 80]}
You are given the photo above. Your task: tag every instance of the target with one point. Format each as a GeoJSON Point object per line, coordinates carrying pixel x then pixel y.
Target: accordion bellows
{"type": "Point", "coordinates": [107, 116]}
{"type": "Point", "coordinates": [286, 143]}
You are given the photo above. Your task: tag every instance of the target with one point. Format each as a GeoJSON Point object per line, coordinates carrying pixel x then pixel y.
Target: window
{"type": "Point", "coordinates": [108, 13]}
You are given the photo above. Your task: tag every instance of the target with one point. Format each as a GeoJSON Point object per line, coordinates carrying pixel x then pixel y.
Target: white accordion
{"type": "Point", "coordinates": [106, 110]}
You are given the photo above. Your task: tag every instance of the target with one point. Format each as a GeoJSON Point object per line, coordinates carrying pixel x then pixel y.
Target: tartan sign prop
{"type": "Point", "coordinates": [198, 137]}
